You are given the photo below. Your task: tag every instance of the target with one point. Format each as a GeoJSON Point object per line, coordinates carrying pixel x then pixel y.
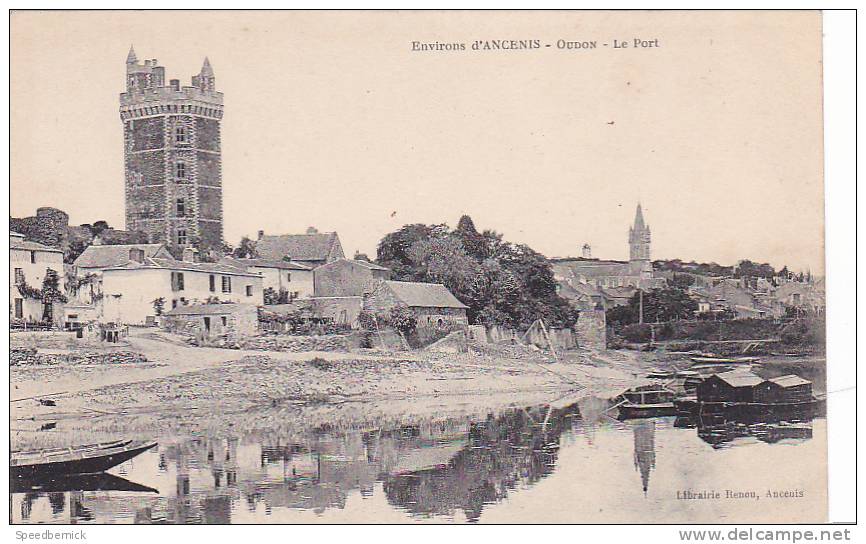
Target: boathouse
{"type": "Point", "coordinates": [784, 389]}
{"type": "Point", "coordinates": [732, 386]}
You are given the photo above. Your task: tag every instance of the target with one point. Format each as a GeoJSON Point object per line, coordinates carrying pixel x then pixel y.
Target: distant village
{"type": "Point", "coordinates": [171, 268]}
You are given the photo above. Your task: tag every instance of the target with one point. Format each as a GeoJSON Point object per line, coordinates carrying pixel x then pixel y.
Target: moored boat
{"type": "Point", "coordinates": [649, 400]}
{"type": "Point", "coordinates": [85, 459]}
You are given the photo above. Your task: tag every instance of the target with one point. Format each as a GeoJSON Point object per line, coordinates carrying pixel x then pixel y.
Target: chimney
{"type": "Point", "coordinates": [261, 234]}
{"type": "Point", "coordinates": [312, 230]}
{"type": "Point", "coordinates": [136, 254]}
{"type": "Point", "coordinates": [175, 84]}
{"type": "Point", "coordinates": [190, 255]}
{"type": "Point", "coordinates": [587, 251]}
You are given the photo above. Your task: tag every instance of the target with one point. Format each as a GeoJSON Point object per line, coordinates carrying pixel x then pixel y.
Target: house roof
{"type": "Point", "coordinates": [789, 380]}
{"type": "Point", "coordinates": [368, 264]}
{"type": "Point", "coordinates": [151, 263]}
{"type": "Point", "coordinates": [209, 309]}
{"type": "Point", "coordinates": [424, 295]}
{"type": "Point", "coordinates": [17, 241]}
{"type": "Point", "coordinates": [263, 263]}
{"type": "Point", "coordinates": [740, 378]}
{"type": "Point", "coordinates": [105, 256]}
{"type": "Point", "coordinates": [298, 247]}
{"type": "Point", "coordinates": [365, 264]}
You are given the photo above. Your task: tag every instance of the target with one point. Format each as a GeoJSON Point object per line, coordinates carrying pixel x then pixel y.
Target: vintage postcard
{"type": "Point", "coordinates": [417, 266]}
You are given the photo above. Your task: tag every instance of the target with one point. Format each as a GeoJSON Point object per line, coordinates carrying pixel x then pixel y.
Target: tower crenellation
{"type": "Point", "coordinates": [172, 155]}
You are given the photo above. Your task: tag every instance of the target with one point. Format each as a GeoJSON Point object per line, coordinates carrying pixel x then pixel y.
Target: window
{"type": "Point", "coordinates": [227, 284]}
{"type": "Point", "coordinates": [797, 298]}
{"type": "Point", "coordinates": [173, 303]}
{"type": "Point", "coordinates": [32, 256]}
{"type": "Point", "coordinates": [207, 324]}
{"type": "Point", "coordinates": [180, 205]}
{"type": "Point", "coordinates": [224, 320]}
{"type": "Point", "coordinates": [180, 135]}
{"type": "Point", "coordinates": [177, 281]}
{"type": "Point", "coordinates": [181, 237]}
{"type": "Point", "coordinates": [180, 170]}
{"type": "Point", "coordinates": [212, 281]}
{"type": "Point", "coordinates": [19, 308]}
{"type": "Point", "coordinates": [288, 276]}
{"type": "Point", "coordinates": [19, 276]}
{"type": "Point", "coordinates": [249, 290]}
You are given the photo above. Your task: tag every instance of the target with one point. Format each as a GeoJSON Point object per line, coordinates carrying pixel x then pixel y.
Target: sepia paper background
{"type": "Point", "coordinates": [332, 120]}
{"type": "Point", "coordinates": [717, 132]}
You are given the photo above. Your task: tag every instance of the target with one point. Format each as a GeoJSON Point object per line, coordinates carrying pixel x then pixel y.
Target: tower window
{"type": "Point", "coordinates": [181, 237]}
{"type": "Point", "coordinates": [180, 170]}
{"type": "Point", "coordinates": [181, 207]}
{"type": "Point", "coordinates": [180, 135]}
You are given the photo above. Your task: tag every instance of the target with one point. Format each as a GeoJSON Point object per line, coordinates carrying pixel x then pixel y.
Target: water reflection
{"type": "Point", "coordinates": [451, 468]}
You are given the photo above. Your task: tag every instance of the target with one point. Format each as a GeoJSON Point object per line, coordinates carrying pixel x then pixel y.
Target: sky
{"type": "Point", "coordinates": [331, 120]}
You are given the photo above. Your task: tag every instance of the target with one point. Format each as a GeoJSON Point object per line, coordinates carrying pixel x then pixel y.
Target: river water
{"type": "Point", "coordinates": [570, 463]}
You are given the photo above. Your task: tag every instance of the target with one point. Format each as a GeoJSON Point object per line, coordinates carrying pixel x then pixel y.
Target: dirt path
{"type": "Point", "coordinates": [166, 355]}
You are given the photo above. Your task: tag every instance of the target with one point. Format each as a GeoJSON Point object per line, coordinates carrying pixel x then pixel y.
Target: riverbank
{"type": "Point", "coordinates": [179, 384]}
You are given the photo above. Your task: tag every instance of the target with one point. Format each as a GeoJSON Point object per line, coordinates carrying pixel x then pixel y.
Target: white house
{"type": "Point", "coordinates": [28, 264]}
{"type": "Point", "coordinates": [130, 291]}
{"type": "Point", "coordinates": [96, 258]}
{"type": "Point", "coordinates": [294, 278]}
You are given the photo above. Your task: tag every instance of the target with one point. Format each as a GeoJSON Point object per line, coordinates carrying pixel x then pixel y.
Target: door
{"type": "Point", "coordinates": [19, 308]}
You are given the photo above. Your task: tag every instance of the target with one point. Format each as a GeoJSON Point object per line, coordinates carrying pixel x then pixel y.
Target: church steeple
{"type": "Point", "coordinates": [639, 238]}
{"type": "Point", "coordinates": [131, 58]}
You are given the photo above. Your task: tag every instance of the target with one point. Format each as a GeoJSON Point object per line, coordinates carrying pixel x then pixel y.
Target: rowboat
{"type": "Point", "coordinates": [724, 360]}
{"type": "Point", "coordinates": [649, 400]}
{"type": "Point", "coordinates": [86, 459]}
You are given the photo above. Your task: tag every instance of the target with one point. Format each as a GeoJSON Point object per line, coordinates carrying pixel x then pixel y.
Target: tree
{"type": "Point", "coordinates": [246, 249]}
{"type": "Point", "coordinates": [682, 281]}
{"type": "Point", "coordinates": [501, 283]}
{"type": "Point", "coordinates": [51, 294]}
{"type": "Point", "coordinates": [659, 305]}
{"type": "Point", "coordinates": [272, 296]}
{"type": "Point", "coordinates": [158, 305]}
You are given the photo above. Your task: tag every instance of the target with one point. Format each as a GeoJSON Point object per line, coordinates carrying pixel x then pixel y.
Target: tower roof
{"type": "Point", "coordinates": [638, 219]}
{"type": "Point", "coordinates": [131, 58]}
{"type": "Point", "coordinates": [206, 69]}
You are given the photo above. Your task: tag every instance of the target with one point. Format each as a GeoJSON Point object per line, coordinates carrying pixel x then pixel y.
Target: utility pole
{"type": "Point", "coordinates": [640, 318]}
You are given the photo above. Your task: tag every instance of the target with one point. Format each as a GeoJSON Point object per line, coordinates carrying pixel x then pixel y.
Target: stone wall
{"type": "Point", "coordinates": [591, 329]}
{"type": "Point", "coordinates": [49, 227]}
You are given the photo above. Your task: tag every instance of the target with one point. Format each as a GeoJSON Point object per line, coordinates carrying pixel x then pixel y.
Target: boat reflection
{"type": "Point", "coordinates": [723, 430]}
{"type": "Point", "coordinates": [79, 482]}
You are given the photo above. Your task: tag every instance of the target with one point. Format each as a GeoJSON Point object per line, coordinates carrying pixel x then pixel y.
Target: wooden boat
{"type": "Point", "coordinates": [724, 360]}
{"type": "Point", "coordinates": [86, 459]}
{"type": "Point", "coordinates": [646, 401]}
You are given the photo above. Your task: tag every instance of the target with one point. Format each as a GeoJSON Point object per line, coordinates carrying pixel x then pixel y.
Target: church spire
{"type": "Point", "coordinates": [639, 238]}
{"type": "Point", "coordinates": [206, 69]}
{"type": "Point", "coordinates": [131, 58]}
{"type": "Point", "coordinates": [638, 218]}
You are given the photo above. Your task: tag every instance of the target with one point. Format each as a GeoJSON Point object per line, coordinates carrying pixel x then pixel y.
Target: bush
{"type": "Point", "coordinates": [637, 333]}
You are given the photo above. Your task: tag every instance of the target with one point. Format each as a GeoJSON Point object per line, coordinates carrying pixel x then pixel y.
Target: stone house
{"type": "Point", "coordinates": [130, 290]}
{"type": "Point", "coordinates": [432, 305]}
{"type": "Point", "coordinates": [311, 249]}
{"type": "Point", "coordinates": [28, 264]}
{"type": "Point", "coordinates": [279, 275]}
{"type": "Point", "coordinates": [801, 295]}
{"type": "Point", "coordinates": [213, 320]}
{"type": "Point", "coordinates": [347, 278]}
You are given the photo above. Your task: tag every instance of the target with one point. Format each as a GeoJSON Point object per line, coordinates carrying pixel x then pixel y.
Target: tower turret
{"type": "Point", "coordinates": [172, 155]}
